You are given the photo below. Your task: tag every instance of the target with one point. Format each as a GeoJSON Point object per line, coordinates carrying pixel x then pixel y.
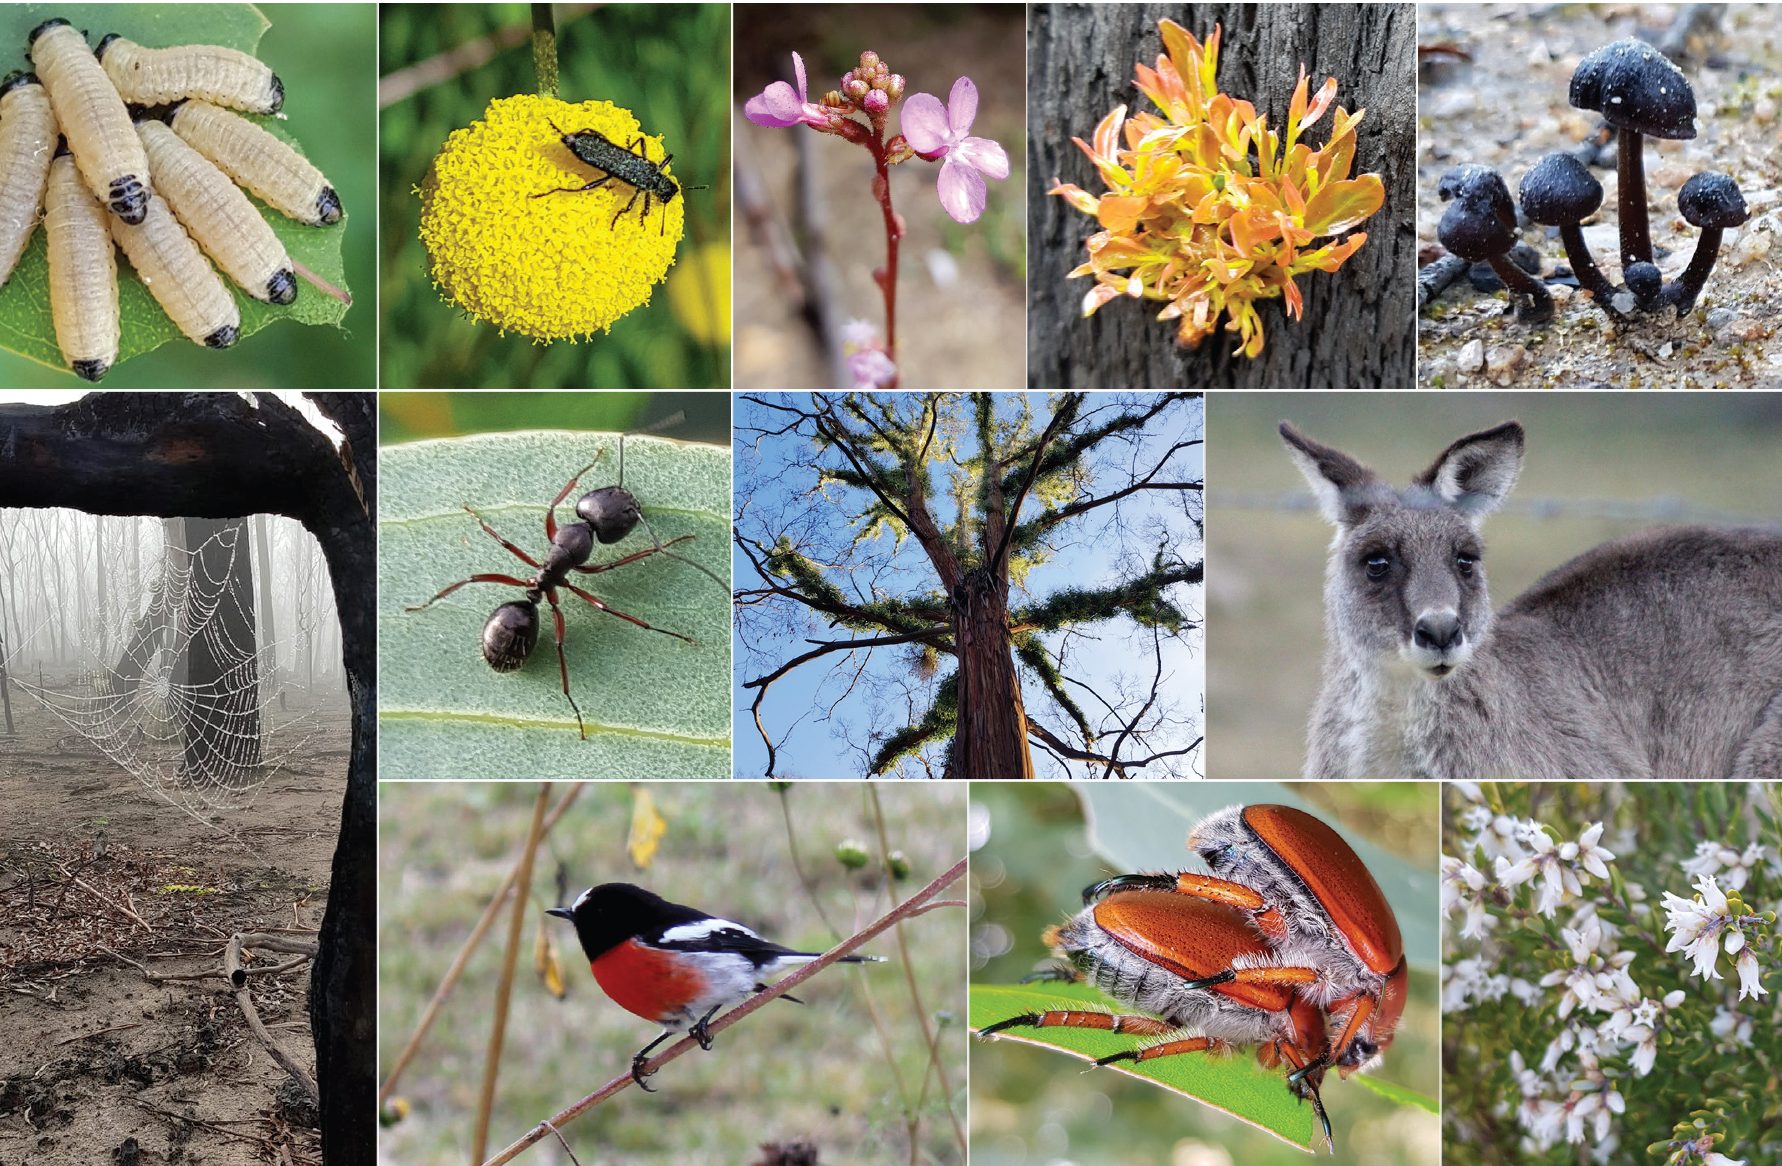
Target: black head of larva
{"type": "Point", "coordinates": [278, 94]}
{"type": "Point", "coordinates": [129, 201]}
{"type": "Point", "coordinates": [62, 146]}
{"type": "Point", "coordinates": [52, 22]}
{"type": "Point", "coordinates": [223, 337]}
{"type": "Point", "coordinates": [282, 287]}
{"type": "Point", "coordinates": [17, 80]}
{"type": "Point", "coordinates": [104, 43]}
{"type": "Point", "coordinates": [91, 370]}
{"type": "Point", "coordinates": [328, 206]}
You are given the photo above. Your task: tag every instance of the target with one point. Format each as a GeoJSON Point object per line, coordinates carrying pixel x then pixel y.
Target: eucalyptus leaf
{"type": "Point", "coordinates": [654, 707]}
{"type": "Point", "coordinates": [1236, 1084]}
{"type": "Point", "coordinates": [26, 326]}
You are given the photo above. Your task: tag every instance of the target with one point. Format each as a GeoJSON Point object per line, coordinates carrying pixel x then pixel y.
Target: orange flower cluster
{"type": "Point", "coordinates": [1209, 210]}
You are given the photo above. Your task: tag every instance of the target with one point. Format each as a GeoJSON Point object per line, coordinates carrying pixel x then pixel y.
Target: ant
{"type": "Point", "coordinates": [606, 515]}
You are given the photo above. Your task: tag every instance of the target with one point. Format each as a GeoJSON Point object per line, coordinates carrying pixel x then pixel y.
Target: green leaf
{"type": "Point", "coordinates": [1236, 1084]}
{"type": "Point", "coordinates": [26, 326]}
{"type": "Point", "coordinates": [654, 707]}
{"type": "Point", "coordinates": [1397, 1094]}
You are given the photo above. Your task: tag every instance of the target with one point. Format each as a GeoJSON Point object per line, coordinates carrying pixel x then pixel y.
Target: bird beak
{"type": "Point", "coordinates": [560, 912]}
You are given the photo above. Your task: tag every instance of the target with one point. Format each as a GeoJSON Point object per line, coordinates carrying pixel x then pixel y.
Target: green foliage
{"type": "Point", "coordinates": [940, 721]}
{"type": "Point", "coordinates": [1031, 651]}
{"type": "Point", "coordinates": [654, 706]}
{"type": "Point", "coordinates": [665, 63]}
{"type": "Point", "coordinates": [1141, 598]}
{"type": "Point", "coordinates": [328, 117]}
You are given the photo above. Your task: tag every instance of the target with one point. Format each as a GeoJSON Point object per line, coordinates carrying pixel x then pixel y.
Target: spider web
{"type": "Point", "coordinates": [199, 746]}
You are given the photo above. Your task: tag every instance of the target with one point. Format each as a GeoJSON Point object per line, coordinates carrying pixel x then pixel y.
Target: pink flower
{"type": "Point", "coordinates": [779, 105]}
{"type": "Point", "coordinates": [937, 132]}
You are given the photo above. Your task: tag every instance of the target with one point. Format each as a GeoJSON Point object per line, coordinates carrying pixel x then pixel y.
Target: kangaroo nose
{"type": "Point", "coordinates": [1437, 632]}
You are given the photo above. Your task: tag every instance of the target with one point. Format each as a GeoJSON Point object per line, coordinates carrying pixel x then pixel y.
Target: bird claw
{"type": "Point", "coordinates": [639, 1076]}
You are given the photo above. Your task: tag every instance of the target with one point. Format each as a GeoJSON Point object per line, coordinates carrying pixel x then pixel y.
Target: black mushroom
{"type": "Point", "coordinates": [1642, 94]}
{"type": "Point", "coordinates": [1713, 203]}
{"type": "Point", "coordinates": [1561, 192]}
{"type": "Point", "coordinates": [1480, 224]}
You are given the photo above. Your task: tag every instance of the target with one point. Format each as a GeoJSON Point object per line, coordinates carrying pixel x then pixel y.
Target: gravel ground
{"type": "Point", "coordinates": [1506, 106]}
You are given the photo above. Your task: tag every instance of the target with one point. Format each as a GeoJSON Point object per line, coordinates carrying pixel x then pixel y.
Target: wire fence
{"type": "Point", "coordinates": [1662, 509]}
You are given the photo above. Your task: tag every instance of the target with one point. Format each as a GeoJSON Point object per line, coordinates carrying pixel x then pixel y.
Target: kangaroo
{"type": "Point", "coordinates": [1653, 656]}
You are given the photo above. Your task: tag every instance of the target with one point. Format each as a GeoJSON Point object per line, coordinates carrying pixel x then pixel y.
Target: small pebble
{"type": "Point", "coordinates": [1623, 302]}
{"type": "Point", "coordinates": [1562, 293]}
{"type": "Point", "coordinates": [1719, 318]}
{"type": "Point", "coordinates": [1763, 110]}
{"type": "Point", "coordinates": [1665, 350]}
{"type": "Point", "coordinates": [1503, 360]}
{"type": "Point", "coordinates": [1752, 246]}
{"type": "Point", "coordinates": [1471, 357]}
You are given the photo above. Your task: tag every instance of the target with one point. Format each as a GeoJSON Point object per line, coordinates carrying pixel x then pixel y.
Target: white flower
{"type": "Point", "coordinates": [1748, 974]}
{"type": "Point", "coordinates": [1716, 1158]}
{"type": "Point", "coordinates": [1465, 886]}
{"type": "Point", "coordinates": [1543, 861]}
{"type": "Point", "coordinates": [1728, 1024]}
{"type": "Point", "coordinates": [1586, 853]}
{"type": "Point", "coordinates": [1696, 926]}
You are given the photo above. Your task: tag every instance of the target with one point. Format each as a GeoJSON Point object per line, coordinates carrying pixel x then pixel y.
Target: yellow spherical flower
{"type": "Point", "coordinates": [556, 267]}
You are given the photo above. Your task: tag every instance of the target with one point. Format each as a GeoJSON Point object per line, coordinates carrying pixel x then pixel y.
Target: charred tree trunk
{"type": "Point", "coordinates": [220, 455]}
{"type": "Point", "coordinates": [219, 666]}
{"type": "Point", "coordinates": [101, 600]}
{"type": "Point", "coordinates": [1359, 328]}
{"type": "Point", "coordinates": [263, 562]}
{"type": "Point", "coordinates": [990, 740]}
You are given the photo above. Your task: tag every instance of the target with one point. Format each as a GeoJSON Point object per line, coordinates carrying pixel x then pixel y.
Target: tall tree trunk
{"type": "Point", "coordinates": [101, 600]}
{"type": "Point", "coordinates": [1359, 329]}
{"type": "Point", "coordinates": [263, 560]}
{"type": "Point", "coordinates": [220, 665]}
{"type": "Point", "coordinates": [990, 740]}
{"type": "Point", "coordinates": [108, 453]}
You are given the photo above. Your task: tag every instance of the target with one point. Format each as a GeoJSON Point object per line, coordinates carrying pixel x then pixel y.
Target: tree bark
{"type": "Point", "coordinates": [220, 455]}
{"type": "Point", "coordinates": [263, 569]}
{"type": "Point", "coordinates": [990, 739]}
{"type": "Point", "coordinates": [1359, 329]}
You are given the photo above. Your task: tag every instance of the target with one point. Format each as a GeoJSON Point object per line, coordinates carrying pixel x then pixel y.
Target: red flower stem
{"type": "Point", "coordinates": [888, 277]}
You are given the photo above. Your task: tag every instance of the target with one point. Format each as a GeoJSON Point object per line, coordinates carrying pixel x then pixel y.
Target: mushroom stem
{"type": "Point", "coordinates": [1539, 308]}
{"type": "Point", "coordinates": [1689, 285]}
{"type": "Point", "coordinates": [1630, 198]}
{"type": "Point", "coordinates": [1583, 266]}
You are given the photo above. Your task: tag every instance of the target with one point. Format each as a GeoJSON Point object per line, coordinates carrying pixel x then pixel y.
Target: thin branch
{"type": "Point", "coordinates": [544, 49]}
{"type": "Point", "coordinates": [619, 1084]}
{"type": "Point", "coordinates": [1013, 515]}
{"type": "Point", "coordinates": [504, 992]}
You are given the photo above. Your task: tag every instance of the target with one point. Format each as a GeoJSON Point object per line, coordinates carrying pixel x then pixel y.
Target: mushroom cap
{"type": "Point", "coordinates": [1480, 220]}
{"type": "Point", "coordinates": [1644, 280]}
{"type": "Point", "coordinates": [1560, 190]}
{"type": "Point", "coordinates": [1712, 199]}
{"type": "Point", "coordinates": [1635, 87]}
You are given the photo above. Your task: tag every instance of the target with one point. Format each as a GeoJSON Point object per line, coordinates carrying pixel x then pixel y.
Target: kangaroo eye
{"type": "Point", "coordinates": [1378, 564]}
{"type": "Point", "coordinates": [1464, 563]}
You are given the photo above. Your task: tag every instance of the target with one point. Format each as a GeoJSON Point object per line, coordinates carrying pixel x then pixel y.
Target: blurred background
{"type": "Point", "coordinates": [847, 1071]}
{"type": "Point", "coordinates": [1596, 467]}
{"type": "Point", "coordinates": [441, 65]}
{"type": "Point", "coordinates": [325, 55]}
{"type": "Point", "coordinates": [1036, 846]}
{"type": "Point", "coordinates": [961, 306]}
{"type": "Point", "coordinates": [415, 416]}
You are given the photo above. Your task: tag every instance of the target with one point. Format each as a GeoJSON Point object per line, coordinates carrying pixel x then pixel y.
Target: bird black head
{"type": "Point", "coordinates": [611, 913]}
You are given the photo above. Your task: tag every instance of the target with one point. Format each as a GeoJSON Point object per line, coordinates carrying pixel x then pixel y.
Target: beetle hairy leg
{"type": "Point", "coordinates": [1174, 1048]}
{"type": "Point", "coordinates": [1080, 1018]}
{"type": "Point", "coordinates": [601, 181]}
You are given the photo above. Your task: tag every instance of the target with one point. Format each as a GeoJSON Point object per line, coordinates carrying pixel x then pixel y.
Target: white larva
{"type": "Point", "coordinates": [219, 216]}
{"type": "Point", "coordinates": [176, 274]}
{"type": "Point", "coordinates": [92, 117]}
{"type": "Point", "coordinates": [219, 75]}
{"type": "Point", "coordinates": [283, 178]}
{"type": "Point", "coordinates": [83, 272]}
{"type": "Point", "coordinates": [27, 143]}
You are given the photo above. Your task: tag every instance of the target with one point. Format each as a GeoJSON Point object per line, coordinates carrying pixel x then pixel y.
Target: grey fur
{"type": "Point", "coordinates": [1658, 655]}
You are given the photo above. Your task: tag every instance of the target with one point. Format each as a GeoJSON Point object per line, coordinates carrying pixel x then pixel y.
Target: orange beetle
{"type": "Point", "coordinates": [1172, 957]}
{"type": "Point", "coordinates": [1322, 914]}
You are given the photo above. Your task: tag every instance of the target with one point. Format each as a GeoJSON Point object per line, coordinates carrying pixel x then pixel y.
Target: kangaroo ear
{"type": "Point", "coordinates": [1476, 473]}
{"type": "Point", "coordinates": [1343, 486]}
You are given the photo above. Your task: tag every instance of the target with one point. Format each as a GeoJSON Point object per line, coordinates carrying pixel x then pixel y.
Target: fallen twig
{"type": "Point", "coordinates": [238, 978]}
{"type": "Point", "coordinates": [884, 923]}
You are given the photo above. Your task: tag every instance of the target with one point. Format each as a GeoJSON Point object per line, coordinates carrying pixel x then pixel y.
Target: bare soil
{"type": "Point", "coordinates": [97, 1063]}
{"type": "Point", "coordinates": [1493, 91]}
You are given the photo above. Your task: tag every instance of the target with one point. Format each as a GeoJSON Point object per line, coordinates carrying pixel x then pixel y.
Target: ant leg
{"type": "Point", "coordinates": [551, 511]}
{"type": "Point", "coordinates": [584, 596]}
{"type": "Point", "coordinates": [601, 181]}
{"type": "Point", "coordinates": [508, 580]}
{"type": "Point", "coordinates": [621, 213]}
{"type": "Point", "coordinates": [512, 549]}
{"type": "Point", "coordinates": [563, 664]}
{"type": "Point", "coordinates": [631, 558]}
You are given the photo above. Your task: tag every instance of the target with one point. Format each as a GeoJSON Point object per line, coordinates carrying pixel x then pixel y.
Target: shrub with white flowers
{"type": "Point", "coordinates": [1587, 1019]}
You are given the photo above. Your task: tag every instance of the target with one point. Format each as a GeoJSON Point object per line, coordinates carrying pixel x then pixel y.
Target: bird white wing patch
{"type": "Point", "coordinates": [704, 929]}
